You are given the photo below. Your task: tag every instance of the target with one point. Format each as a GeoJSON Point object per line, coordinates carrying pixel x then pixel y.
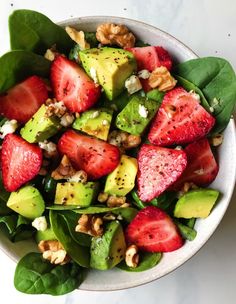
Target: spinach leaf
{"type": "Point", "coordinates": [4, 195]}
{"type": "Point", "coordinates": [78, 253]}
{"type": "Point", "coordinates": [32, 31]}
{"type": "Point", "coordinates": [186, 232]}
{"type": "Point", "coordinates": [91, 38]}
{"type": "Point", "coordinates": [18, 65]}
{"type": "Point", "coordinates": [216, 79]}
{"type": "Point", "coordinates": [10, 222]}
{"type": "Point", "coordinates": [147, 260]}
{"type": "Point", "coordinates": [127, 214]}
{"type": "Point", "coordinates": [34, 275]}
{"type": "Point", "coordinates": [62, 207]}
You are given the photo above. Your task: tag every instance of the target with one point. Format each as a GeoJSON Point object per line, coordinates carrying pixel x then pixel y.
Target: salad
{"type": "Point", "coordinates": [107, 149]}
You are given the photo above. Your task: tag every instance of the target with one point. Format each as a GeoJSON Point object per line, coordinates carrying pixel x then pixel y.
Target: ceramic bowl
{"type": "Point", "coordinates": [116, 279]}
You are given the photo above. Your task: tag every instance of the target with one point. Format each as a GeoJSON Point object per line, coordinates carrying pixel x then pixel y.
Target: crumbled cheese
{"type": "Point", "coordinates": [60, 106]}
{"type": "Point", "coordinates": [78, 177]}
{"type": "Point", "coordinates": [143, 112]}
{"type": "Point", "coordinates": [144, 74]}
{"type": "Point", "coordinates": [195, 95]}
{"type": "Point", "coordinates": [105, 122]}
{"type": "Point", "coordinates": [48, 146]}
{"type": "Point", "coordinates": [40, 223]}
{"type": "Point", "coordinates": [178, 148]}
{"type": "Point", "coordinates": [66, 120]}
{"type": "Point", "coordinates": [49, 55]}
{"type": "Point", "coordinates": [9, 127]}
{"type": "Point", "coordinates": [93, 74]}
{"type": "Point", "coordinates": [133, 84]}
{"type": "Point", "coordinates": [211, 109]}
{"type": "Point", "coordinates": [95, 114]}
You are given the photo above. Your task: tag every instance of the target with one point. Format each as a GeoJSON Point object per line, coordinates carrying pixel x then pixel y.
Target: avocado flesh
{"type": "Point", "coordinates": [72, 193]}
{"type": "Point", "coordinates": [46, 235]}
{"type": "Point", "coordinates": [122, 180]}
{"type": "Point", "coordinates": [196, 203]}
{"type": "Point", "coordinates": [113, 66]}
{"type": "Point", "coordinates": [130, 120]}
{"type": "Point", "coordinates": [109, 250]}
{"type": "Point", "coordinates": [95, 125]}
{"type": "Point", "coordinates": [27, 202]}
{"type": "Point", "coordinates": [40, 127]}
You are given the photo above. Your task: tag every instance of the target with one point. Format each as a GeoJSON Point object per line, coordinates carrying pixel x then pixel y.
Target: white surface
{"type": "Point", "coordinates": [207, 27]}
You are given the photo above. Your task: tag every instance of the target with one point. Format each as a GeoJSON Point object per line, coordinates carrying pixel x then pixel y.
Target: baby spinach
{"type": "Point", "coordinates": [91, 38]}
{"type": "Point", "coordinates": [94, 210]}
{"type": "Point", "coordinates": [62, 207]}
{"type": "Point", "coordinates": [10, 222]}
{"type": "Point", "coordinates": [17, 65]}
{"type": "Point", "coordinates": [4, 195]}
{"type": "Point", "coordinates": [147, 260]}
{"type": "Point", "coordinates": [33, 31]}
{"type": "Point", "coordinates": [216, 79]}
{"type": "Point", "coordinates": [126, 214]}
{"type": "Point", "coordinates": [186, 232]}
{"type": "Point", "coordinates": [60, 228]}
{"type": "Point", "coordinates": [34, 275]}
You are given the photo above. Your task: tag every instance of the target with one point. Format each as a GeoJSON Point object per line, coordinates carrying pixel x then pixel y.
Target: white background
{"type": "Point", "coordinates": [209, 28]}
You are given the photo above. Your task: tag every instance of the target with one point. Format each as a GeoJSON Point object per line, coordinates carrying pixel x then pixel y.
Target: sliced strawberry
{"type": "Point", "coordinates": [96, 157]}
{"type": "Point", "coordinates": [202, 167]}
{"type": "Point", "coordinates": [146, 57]}
{"type": "Point", "coordinates": [164, 57]}
{"type": "Point", "coordinates": [21, 161]}
{"type": "Point", "coordinates": [158, 169]}
{"type": "Point", "coordinates": [153, 230]}
{"type": "Point", "coordinates": [24, 99]}
{"type": "Point", "coordinates": [73, 86]}
{"type": "Point", "coordinates": [180, 120]}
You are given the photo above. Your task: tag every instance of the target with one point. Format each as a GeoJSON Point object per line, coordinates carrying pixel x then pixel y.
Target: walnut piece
{"type": "Point", "coordinates": [118, 34]}
{"type": "Point", "coordinates": [124, 140]}
{"type": "Point", "coordinates": [64, 170]}
{"type": "Point", "coordinates": [161, 78]}
{"type": "Point", "coordinates": [90, 224]}
{"type": "Point", "coordinates": [55, 108]}
{"type": "Point", "coordinates": [54, 252]}
{"type": "Point", "coordinates": [116, 201]}
{"type": "Point", "coordinates": [132, 256]}
{"type": "Point", "coordinates": [78, 37]}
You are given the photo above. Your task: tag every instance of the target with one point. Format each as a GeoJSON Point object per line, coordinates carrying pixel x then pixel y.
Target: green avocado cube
{"type": "Point", "coordinates": [110, 66]}
{"type": "Point", "coordinates": [27, 201]}
{"type": "Point", "coordinates": [40, 127]}
{"type": "Point", "coordinates": [95, 122]}
{"type": "Point", "coordinates": [196, 203]}
{"type": "Point", "coordinates": [73, 193]}
{"type": "Point", "coordinates": [137, 114]}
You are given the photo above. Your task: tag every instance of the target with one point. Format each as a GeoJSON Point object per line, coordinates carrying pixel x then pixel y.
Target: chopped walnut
{"type": "Point", "coordinates": [64, 170]}
{"type": "Point", "coordinates": [216, 140]}
{"type": "Point", "coordinates": [132, 256]}
{"type": "Point", "coordinates": [102, 197]}
{"type": "Point", "coordinates": [55, 108]}
{"type": "Point", "coordinates": [90, 224]}
{"type": "Point", "coordinates": [49, 149]}
{"type": "Point", "coordinates": [116, 201]}
{"type": "Point", "coordinates": [118, 34]}
{"type": "Point", "coordinates": [186, 187]}
{"type": "Point", "coordinates": [78, 37]}
{"type": "Point", "coordinates": [161, 78]}
{"type": "Point", "coordinates": [109, 217]}
{"type": "Point", "coordinates": [79, 177]}
{"type": "Point", "coordinates": [54, 252]}
{"type": "Point", "coordinates": [67, 119]}
{"type": "Point", "coordinates": [124, 140]}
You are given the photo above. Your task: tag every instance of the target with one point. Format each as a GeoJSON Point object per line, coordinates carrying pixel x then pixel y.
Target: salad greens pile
{"type": "Point", "coordinates": [94, 223]}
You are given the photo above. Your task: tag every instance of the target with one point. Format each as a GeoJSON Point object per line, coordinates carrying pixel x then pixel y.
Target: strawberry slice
{"type": "Point", "coordinates": [164, 57]}
{"type": "Point", "coordinates": [20, 160]}
{"type": "Point", "coordinates": [72, 85]}
{"type": "Point", "coordinates": [158, 168]}
{"type": "Point", "coordinates": [180, 120]}
{"type": "Point", "coordinates": [96, 157]}
{"type": "Point", "coordinates": [24, 99]}
{"type": "Point", "coordinates": [202, 167]}
{"type": "Point", "coordinates": [153, 230]}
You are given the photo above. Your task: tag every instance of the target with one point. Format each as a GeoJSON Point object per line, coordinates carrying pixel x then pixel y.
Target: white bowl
{"type": "Point", "coordinates": [116, 279]}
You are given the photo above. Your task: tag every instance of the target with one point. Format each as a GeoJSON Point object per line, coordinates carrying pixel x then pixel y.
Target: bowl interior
{"type": "Point", "coordinates": [116, 279]}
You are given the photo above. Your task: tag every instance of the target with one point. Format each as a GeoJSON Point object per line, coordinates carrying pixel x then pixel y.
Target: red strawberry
{"type": "Point", "coordinates": [180, 120]}
{"type": "Point", "coordinates": [96, 157]}
{"type": "Point", "coordinates": [202, 167]}
{"type": "Point", "coordinates": [24, 99]}
{"type": "Point", "coordinates": [72, 85]}
{"type": "Point", "coordinates": [158, 169]}
{"type": "Point", "coordinates": [153, 230]}
{"type": "Point", "coordinates": [164, 57]}
{"type": "Point", "coordinates": [21, 161]}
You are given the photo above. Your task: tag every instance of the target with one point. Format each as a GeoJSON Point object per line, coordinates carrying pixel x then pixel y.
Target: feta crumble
{"type": "Point", "coordinates": [195, 95]}
{"type": "Point", "coordinates": [95, 114]}
{"type": "Point", "coordinates": [40, 223]}
{"type": "Point", "coordinates": [144, 74]}
{"type": "Point", "coordinates": [9, 127]}
{"type": "Point", "coordinates": [105, 122]}
{"type": "Point", "coordinates": [133, 84]}
{"type": "Point", "coordinates": [66, 120]}
{"type": "Point", "coordinates": [143, 112]}
{"type": "Point", "coordinates": [48, 146]}
{"type": "Point", "coordinates": [93, 74]}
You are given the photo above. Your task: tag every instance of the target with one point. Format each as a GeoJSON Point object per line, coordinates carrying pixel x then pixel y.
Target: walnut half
{"type": "Point", "coordinates": [90, 224]}
{"type": "Point", "coordinates": [116, 34]}
{"type": "Point", "coordinates": [54, 252]}
{"type": "Point", "coordinates": [161, 78]}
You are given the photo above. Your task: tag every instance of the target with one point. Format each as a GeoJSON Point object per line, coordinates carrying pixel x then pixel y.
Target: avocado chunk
{"type": "Point", "coordinates": [136, 115]}
{"type": "Point", "coordinates": [72, 193]}
{"type": "Point", "coordinates": [111, 66]}
{"type": "Point", "coordinates": [40, 127]}
{"type": "Point", "coordinates": [46, 235]}
{"type": "Point", "coordinates": [95, 122]}
{"type": "Point", "coordinates": [107, 251]}
{"type": "Point", "coordinates": [122, 180]}
{"type": "Point", "coordinates": [196, 203]}
{"type": "Point", "coordinates": [27, 201]}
